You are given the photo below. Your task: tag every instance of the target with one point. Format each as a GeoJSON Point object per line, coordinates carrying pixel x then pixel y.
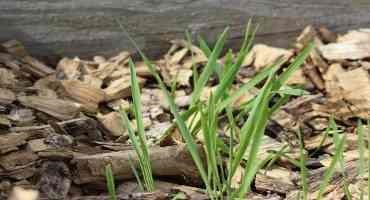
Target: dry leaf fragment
{"type": "Point", "coordinates": [60, 109]}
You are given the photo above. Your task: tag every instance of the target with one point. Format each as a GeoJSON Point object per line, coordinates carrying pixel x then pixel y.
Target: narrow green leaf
{"type": "Point", "coordinates": [209, 68]}
{"type": "Point", "coordinates": [110, 182]}
{"type": "Point", "coordinates": [331, 169]}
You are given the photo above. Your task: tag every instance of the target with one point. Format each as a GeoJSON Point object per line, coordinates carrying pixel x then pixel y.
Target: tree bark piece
{"type": "Point", "coordinates": [165, 161]}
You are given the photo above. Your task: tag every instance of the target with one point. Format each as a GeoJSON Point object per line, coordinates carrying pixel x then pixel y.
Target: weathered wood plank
{"type": "Point", "coordinates": [89, 27]}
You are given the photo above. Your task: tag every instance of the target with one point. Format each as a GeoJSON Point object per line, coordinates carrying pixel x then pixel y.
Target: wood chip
{"type": "Point", "coordinates": [166, 161]}
{"type": "Point", "coordinates": [120, 88]}
{"type": "Point", "coordinates": [83, 93]}
{"type": "Point", "coordinates": [18, 193]}
{"type": "Point", "coordinates": [112, 122]}
{"type": "Point", "coordinates": [353, 45]}
{"type": "Point", "coordinates": [60, 109]}
{"type": "Point", "coordinates": [277, 180]}
{"type": "Point", "coordinates": [262, 55]}
{"type": "Point", "coordinates": [37, 68]}
{"type": "Point", "coordinates": [69, 69]}
{"type": "Point", "coordinates": [6, 96]}
{"type": "Point", "coordinates": [11, 141]}
{"type": "Point", "coordinates": [17, 159]}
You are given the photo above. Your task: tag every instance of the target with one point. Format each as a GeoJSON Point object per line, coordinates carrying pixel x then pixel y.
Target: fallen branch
{"type": "Point", "coordinates": [165, 161]}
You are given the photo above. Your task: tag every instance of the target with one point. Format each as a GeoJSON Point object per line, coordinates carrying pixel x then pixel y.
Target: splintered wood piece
{"type": "Point", "coordinates": [277, 180]}
{"type": "Point", "coordinates": [60, 109]}
{"type": "Point", "coordinates": [186, 44]}
{"type": "Point", "coordinates": [165, 161]}
{"type": "Point", "coordinates": [297, 78]}
{"type": "Point", "coordinates": [15, 47]}
{"type": "Point", "coordinates": [315, 76]}
{"type": "Point", "coordinates": [19, 193]}
{"type": "Point", "coordinates": [317, 141]}
{"type": "Point", "coordinates": [262, 55]}
{"type": "Point", "coordinates": [306, 36]}
{"type": "Point", "coordinates": [337, 51]}
{"type": "Point", "coordinates": [69, 69]}
{"type": "Point", "coordinates": [17, 159]}
{"type": "Point", "coordinates": [7, 78]}
{"type": "Point", "coordinates": [268, 144]}
{"type": "Point", "coordinates": [10, 62]}
{"type": "Point", "coordinates": [356, 87]}
{"type": "Point", "coordinates": [121, 58]}
{"type": "Point", "coordinates": [37, 68]}
{"type": "Point", "coordinates": [157, 195]}
{"type": "Point", "coordinates": [191, 192]}
{"type": "Point", "coordinates": [113, 123]}
{"type": "Point", "coordinates": [359, 190]}
{"type": "Point", "coordinates": [130, 187]}
{"type": "Point", "coordinates": [6, 96]}
{"type": "Point", "coordinates": [104, 70]}
{"type": "Point", "coordinates": [120, 88]}
{"type": "Point", "coordinates": [92, 81]}
{"type": "Point", "coordinates": [11, 141]}
{"type": "Point", "coordinates": [85, 94]}
{"type": "Point", "coordinates": [349, 92]}
{"type": "Point", "coordinates": [353, 45]}
{"type": "Point", "coordinates": [335, 187]}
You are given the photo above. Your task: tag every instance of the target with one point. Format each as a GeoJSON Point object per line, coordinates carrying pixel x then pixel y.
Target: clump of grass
{"type": "Point", "coordinates": [259, 109]}
{"type": "Point", "coordinates": [139, 140]}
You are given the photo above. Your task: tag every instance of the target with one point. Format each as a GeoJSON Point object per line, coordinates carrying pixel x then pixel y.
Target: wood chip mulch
{"type": "Point", "coordinates": [60, 126]}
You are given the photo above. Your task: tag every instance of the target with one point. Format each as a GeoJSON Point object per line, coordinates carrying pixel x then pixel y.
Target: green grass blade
{"type": "Point", "coordinates": [204, 46]}
{"type": "Point", "coordinates": [135, 89]}
{"type": "Point", "coordinates": [257, 134]}
{"type": "Point", "coordinates": [110, 182]}
{"type": "Point", "coordinates": [190, 143]}
{"type": "Point", "coordinates": [336, 138]}
{"type": "Point", "coordinates": [249, 85]}
{"type": "Point", "coordinates": [297, 62]}
{"type": "Point", "coordinates": [253, 120]}
{"type": "Point", "coordinates": [230, 74]}
{"type": "Point", "coordinates": [303, 168]}
{"type": "Point", "coordinates": [136, 174]}
{"type": "Point", "coordinates": [331, 169]}
{"type": "Point", "coordinates": [209, 68]}
{"type": "Point", "coordinates": [361, 149]}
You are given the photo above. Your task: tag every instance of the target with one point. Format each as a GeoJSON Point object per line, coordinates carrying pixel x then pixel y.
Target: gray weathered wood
{"type": "Point", "coordinates": [89, 27]}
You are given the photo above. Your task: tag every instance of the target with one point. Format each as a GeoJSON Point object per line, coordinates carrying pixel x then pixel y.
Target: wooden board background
{"type": "Point", "coordinates": [89, 27]}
